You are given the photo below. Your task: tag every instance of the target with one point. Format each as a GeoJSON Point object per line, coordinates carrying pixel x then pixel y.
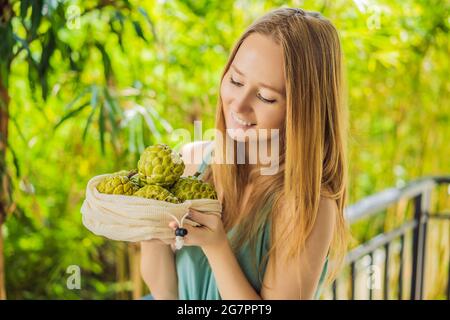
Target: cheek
{"type": "Point", "coordinates": [226, 94]}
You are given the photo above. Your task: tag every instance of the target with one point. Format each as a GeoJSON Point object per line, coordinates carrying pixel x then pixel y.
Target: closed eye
{"type": "Point", "coordinates": [266, 100]}
{"type": "Point", "coordinates": [237, 84]}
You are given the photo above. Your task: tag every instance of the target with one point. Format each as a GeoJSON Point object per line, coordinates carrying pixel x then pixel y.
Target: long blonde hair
{"type": "Point", "coordinates": [313, 142]}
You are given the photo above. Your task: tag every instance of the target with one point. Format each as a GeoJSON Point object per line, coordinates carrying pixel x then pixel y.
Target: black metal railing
{"type": "Point", "coordinates": [419, 193]}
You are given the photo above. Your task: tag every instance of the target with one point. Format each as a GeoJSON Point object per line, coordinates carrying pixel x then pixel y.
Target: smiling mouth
{"type": "Point", "coordinates": [240, 121]}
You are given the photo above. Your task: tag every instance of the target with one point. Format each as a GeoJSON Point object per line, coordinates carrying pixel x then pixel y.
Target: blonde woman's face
{"type": "Point", "coordinates": [253, 89]}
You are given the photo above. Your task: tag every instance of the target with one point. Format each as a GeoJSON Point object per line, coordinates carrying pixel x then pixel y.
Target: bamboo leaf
{"type": "Point", "coordinates": [138, 29]}
{"type": "Point", "coordinates": [112, 120]}
{"type": "Point", "coordinates": [44, 64]}
{"type": "Point", "coordinates": [132, 136]}
{"type": "Point", "coordinates": [36, 16]}
{"type": "Point", "coordinates": [150, 123]}
{"type": "Point", "coordinates": [112, 102]}
{"type": "Point", "coordinates": [166, 125]}
{"type": "Point", "coordinates": [94, 96]}
{"type": "Point", "coordinates": [19, 130]}
{"type": "Point", "coordinates": [76, 99]}
{"type": "Point", "coordinates": [118, 33]}
{"type": "Point", "coordinates": [94, 103]}
{"type": "Point", "coordinates": [120, 17]}
{"type": "Point", "coordinates": [88, 122]}
{"type": "Point", "coordinates": [71, 114]}
{"type": "Point", "coordinates": [15, 159]}
{"type": "Point", "coordinates": [24, 5]}
{"type": "Point", "coordinates": [107, 67]}
{"type": "Point", "coordinates": [150, 22]}
{"type": "Point", "coordinates": [23, 42]}
{"type": "Point", "coordinates": [140, 134]}
{"type": "Point", "coordinates": [101, 126]}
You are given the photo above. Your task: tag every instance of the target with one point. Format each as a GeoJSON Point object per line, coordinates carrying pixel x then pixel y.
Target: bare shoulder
{"type": "Point", "coordinates": [192, 154]}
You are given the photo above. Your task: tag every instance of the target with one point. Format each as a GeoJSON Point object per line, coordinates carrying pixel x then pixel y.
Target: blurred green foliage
{"type": "Point", "coordinates": [126, 73]}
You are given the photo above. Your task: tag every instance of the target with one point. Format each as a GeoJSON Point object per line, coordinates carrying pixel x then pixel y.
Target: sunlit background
{"type": "Point", "coordinates": [89, 84]}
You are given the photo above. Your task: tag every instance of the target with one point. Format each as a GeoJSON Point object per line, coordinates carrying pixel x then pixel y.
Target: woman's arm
{"type": "Point", "coordinates": [231, 280]}
{"type": "Point", "coordinates": [157, 257]}
{"type": "Point", "coordinates": [158, 269]}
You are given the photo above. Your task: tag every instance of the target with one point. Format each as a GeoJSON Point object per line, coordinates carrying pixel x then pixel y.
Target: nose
{"type": "Point", "coordinates": [242, 102]}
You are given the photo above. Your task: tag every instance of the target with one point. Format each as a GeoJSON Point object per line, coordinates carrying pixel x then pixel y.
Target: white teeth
{"type": "Point", "coordinates": [239, 120]}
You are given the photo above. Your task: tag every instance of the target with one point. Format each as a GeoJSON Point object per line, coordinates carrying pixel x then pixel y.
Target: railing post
{"type": "Point", "coordinates": [353, 279]}
{"type": "Point", "coordinates": [421, 211]}
{"type": "Point", "coordinates": [400, 271]}
{"type": "Point", "coordinates": [334, 289]}
{"type": "Point", "coordinates": [416, 250]}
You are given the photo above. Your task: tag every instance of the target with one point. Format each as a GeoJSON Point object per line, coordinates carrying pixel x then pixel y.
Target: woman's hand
{"type": "Point", "coordinates": [210, 234]}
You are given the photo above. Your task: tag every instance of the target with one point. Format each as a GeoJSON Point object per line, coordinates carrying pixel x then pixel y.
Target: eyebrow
{"type": "Point", "coordinates": [261, 84]}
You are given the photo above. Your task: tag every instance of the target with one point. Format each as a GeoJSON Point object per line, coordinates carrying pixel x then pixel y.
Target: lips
{"type": "Point", "coordinates": [241, 121]}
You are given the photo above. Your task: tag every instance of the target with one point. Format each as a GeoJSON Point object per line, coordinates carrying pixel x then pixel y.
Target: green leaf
{"type": "Point", "coordinates": [44, 64]}
{"type": "Point", "coordinates": [120, 17]}
{"type": "Point", "coordinates": [112, 102]}
{"type": "Point", "coordinates": [15, 159]}
{"type": "Point", "coordinates": [19, 130]}
{"type": "Point", "coordinates": [132, 136]}
{"type": "Point", "coordinates": [101, 126]}
{"type": "Point", "coordinates": [112, 120]}
{"type": "Point", "coordinates": [140, 134]}
{"type": "Point", "coordinates": [150, 22]}
{"type": "Point", "coordinates": [118, 33]}
{"type": "Point", "coordinates": [150, 123]}
{"type": "Point", "coordinates": [94, 96]}
{"type": "Point", "coordinates": [107, 67]}
{"type": "Point", "coordinates": [36, 16]}
{"type": "Point", "coordinates": [93, 103]}
{"type": "Point", "coordinates": [77, 98]}
{"type": "Point", "coordinates": [138, 29]}
{"type": "Point", "coordinates": [71, 114]}
{"type": "Point", "coordinates": [24, 44]}
{"type": "Point", "coordinates": [127, 4]}
{"type": "Point", "coordinates": [88, 122]}
{"type": "Point", "coordinates": [166, 125]}
{"type": "Point", "coordinates": [24, 5]}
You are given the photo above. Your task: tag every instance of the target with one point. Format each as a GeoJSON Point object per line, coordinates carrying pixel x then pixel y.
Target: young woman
{"type": "Point", "coordinates": [279, 231]}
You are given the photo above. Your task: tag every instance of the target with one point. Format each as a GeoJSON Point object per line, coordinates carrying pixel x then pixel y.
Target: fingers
{"type": "Point", "coordinates": [190, 237]}
{"type": "Point", "coordinates": [173, 224]}
{"type": "Point", "coordinates": [209, 220]}
{"type": "Point", "coordinates": [192, 234]}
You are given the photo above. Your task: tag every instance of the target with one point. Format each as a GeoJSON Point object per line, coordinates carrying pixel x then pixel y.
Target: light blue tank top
{"type": "Point", "coordinates": [196, 279]}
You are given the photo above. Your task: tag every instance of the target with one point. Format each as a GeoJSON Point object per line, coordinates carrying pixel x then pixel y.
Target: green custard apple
{"type": "Point", "coordinates": [153, 191]}
{"type": "Point", "coordinates": [189, 188]}
{"type": "Point", "coordinates": [117, 184]}
{"type": "Point", "coordinates": [160, 165]}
